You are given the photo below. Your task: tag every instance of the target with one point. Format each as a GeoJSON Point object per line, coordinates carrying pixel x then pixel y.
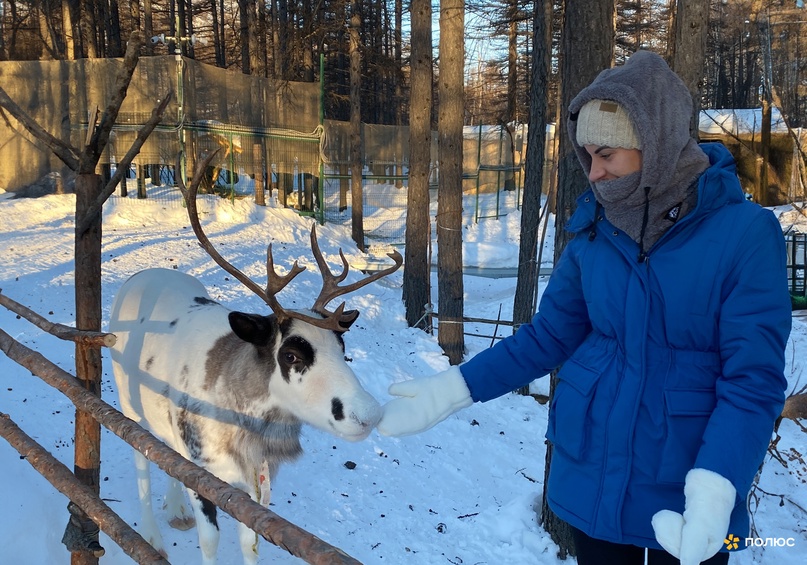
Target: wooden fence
{"type": "Point", "coordinates": [231, 500]}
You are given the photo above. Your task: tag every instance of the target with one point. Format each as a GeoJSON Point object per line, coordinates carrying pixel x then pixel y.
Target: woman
{"type": "Point", "coordinates": [668, 314]}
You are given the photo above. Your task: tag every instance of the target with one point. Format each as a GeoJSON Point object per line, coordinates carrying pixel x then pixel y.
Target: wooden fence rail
{"type": "Point", "coordinates": [65, 482]}
{"type": "Point", "coordinates": [58, 330]}
{"type": "Point", "coordinates": [231, 500]}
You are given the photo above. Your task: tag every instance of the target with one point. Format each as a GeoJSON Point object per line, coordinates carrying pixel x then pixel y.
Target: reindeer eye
{"type": "Point", "coordinates": [296, 355]}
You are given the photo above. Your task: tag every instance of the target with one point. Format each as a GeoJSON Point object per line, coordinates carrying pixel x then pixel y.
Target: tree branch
{"type": "Point", "coordinates": [61, 149]}
{"type": "Point", "coordinates": [92, 151]}
{"type": "Point", "coordinates": [123, 164]}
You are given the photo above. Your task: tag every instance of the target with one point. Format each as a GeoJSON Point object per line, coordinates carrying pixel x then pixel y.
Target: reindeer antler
{"type": "Point", "coordinates": [330, 283]}
{"type": "Point", "coordinates": [189, 193]}
{"type": "Point", "coordinates": [338, 320]}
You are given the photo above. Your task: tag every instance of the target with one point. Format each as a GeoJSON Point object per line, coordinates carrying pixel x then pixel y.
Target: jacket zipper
{"type": "Point", "coordinates": [642, 253]}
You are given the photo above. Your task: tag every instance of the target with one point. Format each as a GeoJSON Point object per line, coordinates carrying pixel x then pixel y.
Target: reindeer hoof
{"type": "Point", "coordinates": [182, 522]}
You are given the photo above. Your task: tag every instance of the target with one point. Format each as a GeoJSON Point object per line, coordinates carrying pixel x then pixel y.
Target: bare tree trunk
{"type": "Point", "coordinates": [81, 532]}
{"type": "Point", "coordinates": [222, 32]}
{"type": "Point", "coordinates": [587, 48]}
{"type": "Point", "coordinates": [255, 67]}
{"type": "Point", "coordinates": [243, 34]}
{"type": "Point", "coordinates": [449, 202]}
{"type": "Point", "coordinates": [68, 31]}
{"type": "Point", "coordinates": [512, 61]}
{"type": "Point", "coordinates": [218, 40]}
{"type": "Point", "coordinates": [512, 82]}
{"type": "Point", "coordinates": [148, 26]}
{"type": "Point", "coordinates": [48, 40]}
{"type": "Point", "coordinates": [357, 208]}
{"type": "Point", "coordinates": [89, 32]}
{"type": "Point", "coordinates": [189, 28]}
{"type": "Point", "coordinates": [87, 464]}
{"type": "Point", "coordinates": [3, 47]}
{"type": "Point", "coordinates": [134, 14]}
{"type": "Point", "coordinates": [262, 60]}
{"type": "Point", "coordinates": [399, 106]}
{"type": "Point", "coordinates": [81, 535]}
{"type": "Point", "coordinates": [308, 41]}
{"type": "Point", "coordinates": [585, 54]}
{"type": "Point", "coordinates": [115, 39]}
{"type": "Point", "coordinates": [526, 285]}
{"type": "Point", "coordinates": [416, 287]}
{"type": "Point", "coordinates": [691, 27]}
{"type": "Point", "coordinates": [281, 52]}
{"type": "Point", "coordinates": [88, 297]}
{"type": "Point", "coordinates": [10, 42]}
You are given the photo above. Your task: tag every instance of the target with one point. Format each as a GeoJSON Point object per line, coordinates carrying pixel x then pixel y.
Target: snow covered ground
{"type": "Point", "coordinates": [461, 493]}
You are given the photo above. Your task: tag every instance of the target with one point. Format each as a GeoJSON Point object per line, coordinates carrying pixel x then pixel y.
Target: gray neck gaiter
{"type": "Point", "coordinates": [646, 213]}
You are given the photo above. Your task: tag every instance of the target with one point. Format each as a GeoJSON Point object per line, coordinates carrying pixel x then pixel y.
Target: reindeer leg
{"type": "Point", "coordinates": [247, 537]}
{"type": "Point", "coordinates": [258, 491]}
{"type": "Point", "coordinates": [249, 544]}
{"type": "Point", "coordinates": [180, 516]}
{"type": "Point", "coordinates": [148, 526]}
{"type": "Point", "coordinates": [206, 525]}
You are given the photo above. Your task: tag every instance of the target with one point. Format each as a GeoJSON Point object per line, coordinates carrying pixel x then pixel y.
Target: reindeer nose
{"type": "Point", "coordinates": [367, 418]}
{"type": "Point", "coordinates": [373, 416]}
{"type": "Point", "coordinates": [337, 409]}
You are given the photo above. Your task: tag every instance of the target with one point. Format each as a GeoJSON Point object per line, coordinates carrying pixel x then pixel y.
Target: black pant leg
{"type": "Point", "coordinates": [661, 557]}
{"type": "Point", "coordinates": [592, 551]}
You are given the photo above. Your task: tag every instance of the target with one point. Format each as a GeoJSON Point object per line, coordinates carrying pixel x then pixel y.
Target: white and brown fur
{"type": "Point", "coordinates": [227, 390]}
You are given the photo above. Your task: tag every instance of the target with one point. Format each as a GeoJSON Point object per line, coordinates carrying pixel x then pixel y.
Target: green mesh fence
{"type": "Point", "coordinates": [797, 268]}
{"type": "Point", "coordinates": [267, 134]}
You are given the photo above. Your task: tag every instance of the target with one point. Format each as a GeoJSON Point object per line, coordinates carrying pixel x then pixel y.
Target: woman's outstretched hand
{"type": "Point", "coordinates": [424, 402]}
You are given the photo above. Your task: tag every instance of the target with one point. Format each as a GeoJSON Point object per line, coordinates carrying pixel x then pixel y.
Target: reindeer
{"type": "Point", "coordinates": [230, 390]}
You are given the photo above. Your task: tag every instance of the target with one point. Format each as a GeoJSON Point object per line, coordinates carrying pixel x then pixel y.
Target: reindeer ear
{"type": "Point", "coordinates": [347, 318]}
{"type": "Point", "coordinates": [252, 328]}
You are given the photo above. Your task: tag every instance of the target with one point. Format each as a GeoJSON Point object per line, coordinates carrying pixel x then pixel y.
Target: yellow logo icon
{"type": "Point", "coordinates": [731, 542]}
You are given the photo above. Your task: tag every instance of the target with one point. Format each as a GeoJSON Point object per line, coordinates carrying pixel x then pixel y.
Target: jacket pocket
{"type": "Point", "coordinates": [568, 427]}
{"type": "Point", "coordinates": [686, 416]}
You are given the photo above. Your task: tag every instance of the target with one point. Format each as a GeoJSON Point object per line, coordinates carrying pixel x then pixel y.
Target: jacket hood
{"type": "Point", "coordinates": [656, 100]}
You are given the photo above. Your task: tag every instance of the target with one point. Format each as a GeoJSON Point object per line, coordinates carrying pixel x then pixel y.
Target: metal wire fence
{"type": "Point", "coordinates": [797, 262]}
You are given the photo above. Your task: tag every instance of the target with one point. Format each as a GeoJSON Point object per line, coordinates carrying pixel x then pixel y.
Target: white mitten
{"type": "Point", "coordinates": [701, 531]}
{"type": "Point", "coordinates": [424, 402]}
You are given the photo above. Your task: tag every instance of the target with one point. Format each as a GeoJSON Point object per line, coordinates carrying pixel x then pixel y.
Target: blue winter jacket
{"type": "Point", "coordinates": [667, 365]}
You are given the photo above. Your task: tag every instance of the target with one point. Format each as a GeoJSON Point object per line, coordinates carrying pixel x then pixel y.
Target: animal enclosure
{"type": "Point", "coordinates": [206, 486]}
{"type": "Point", "coordinates": [270, 137]}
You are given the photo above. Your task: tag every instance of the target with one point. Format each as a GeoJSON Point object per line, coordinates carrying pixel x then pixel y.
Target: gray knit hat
{"type": "Point", "coordinates": [604, 122]}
